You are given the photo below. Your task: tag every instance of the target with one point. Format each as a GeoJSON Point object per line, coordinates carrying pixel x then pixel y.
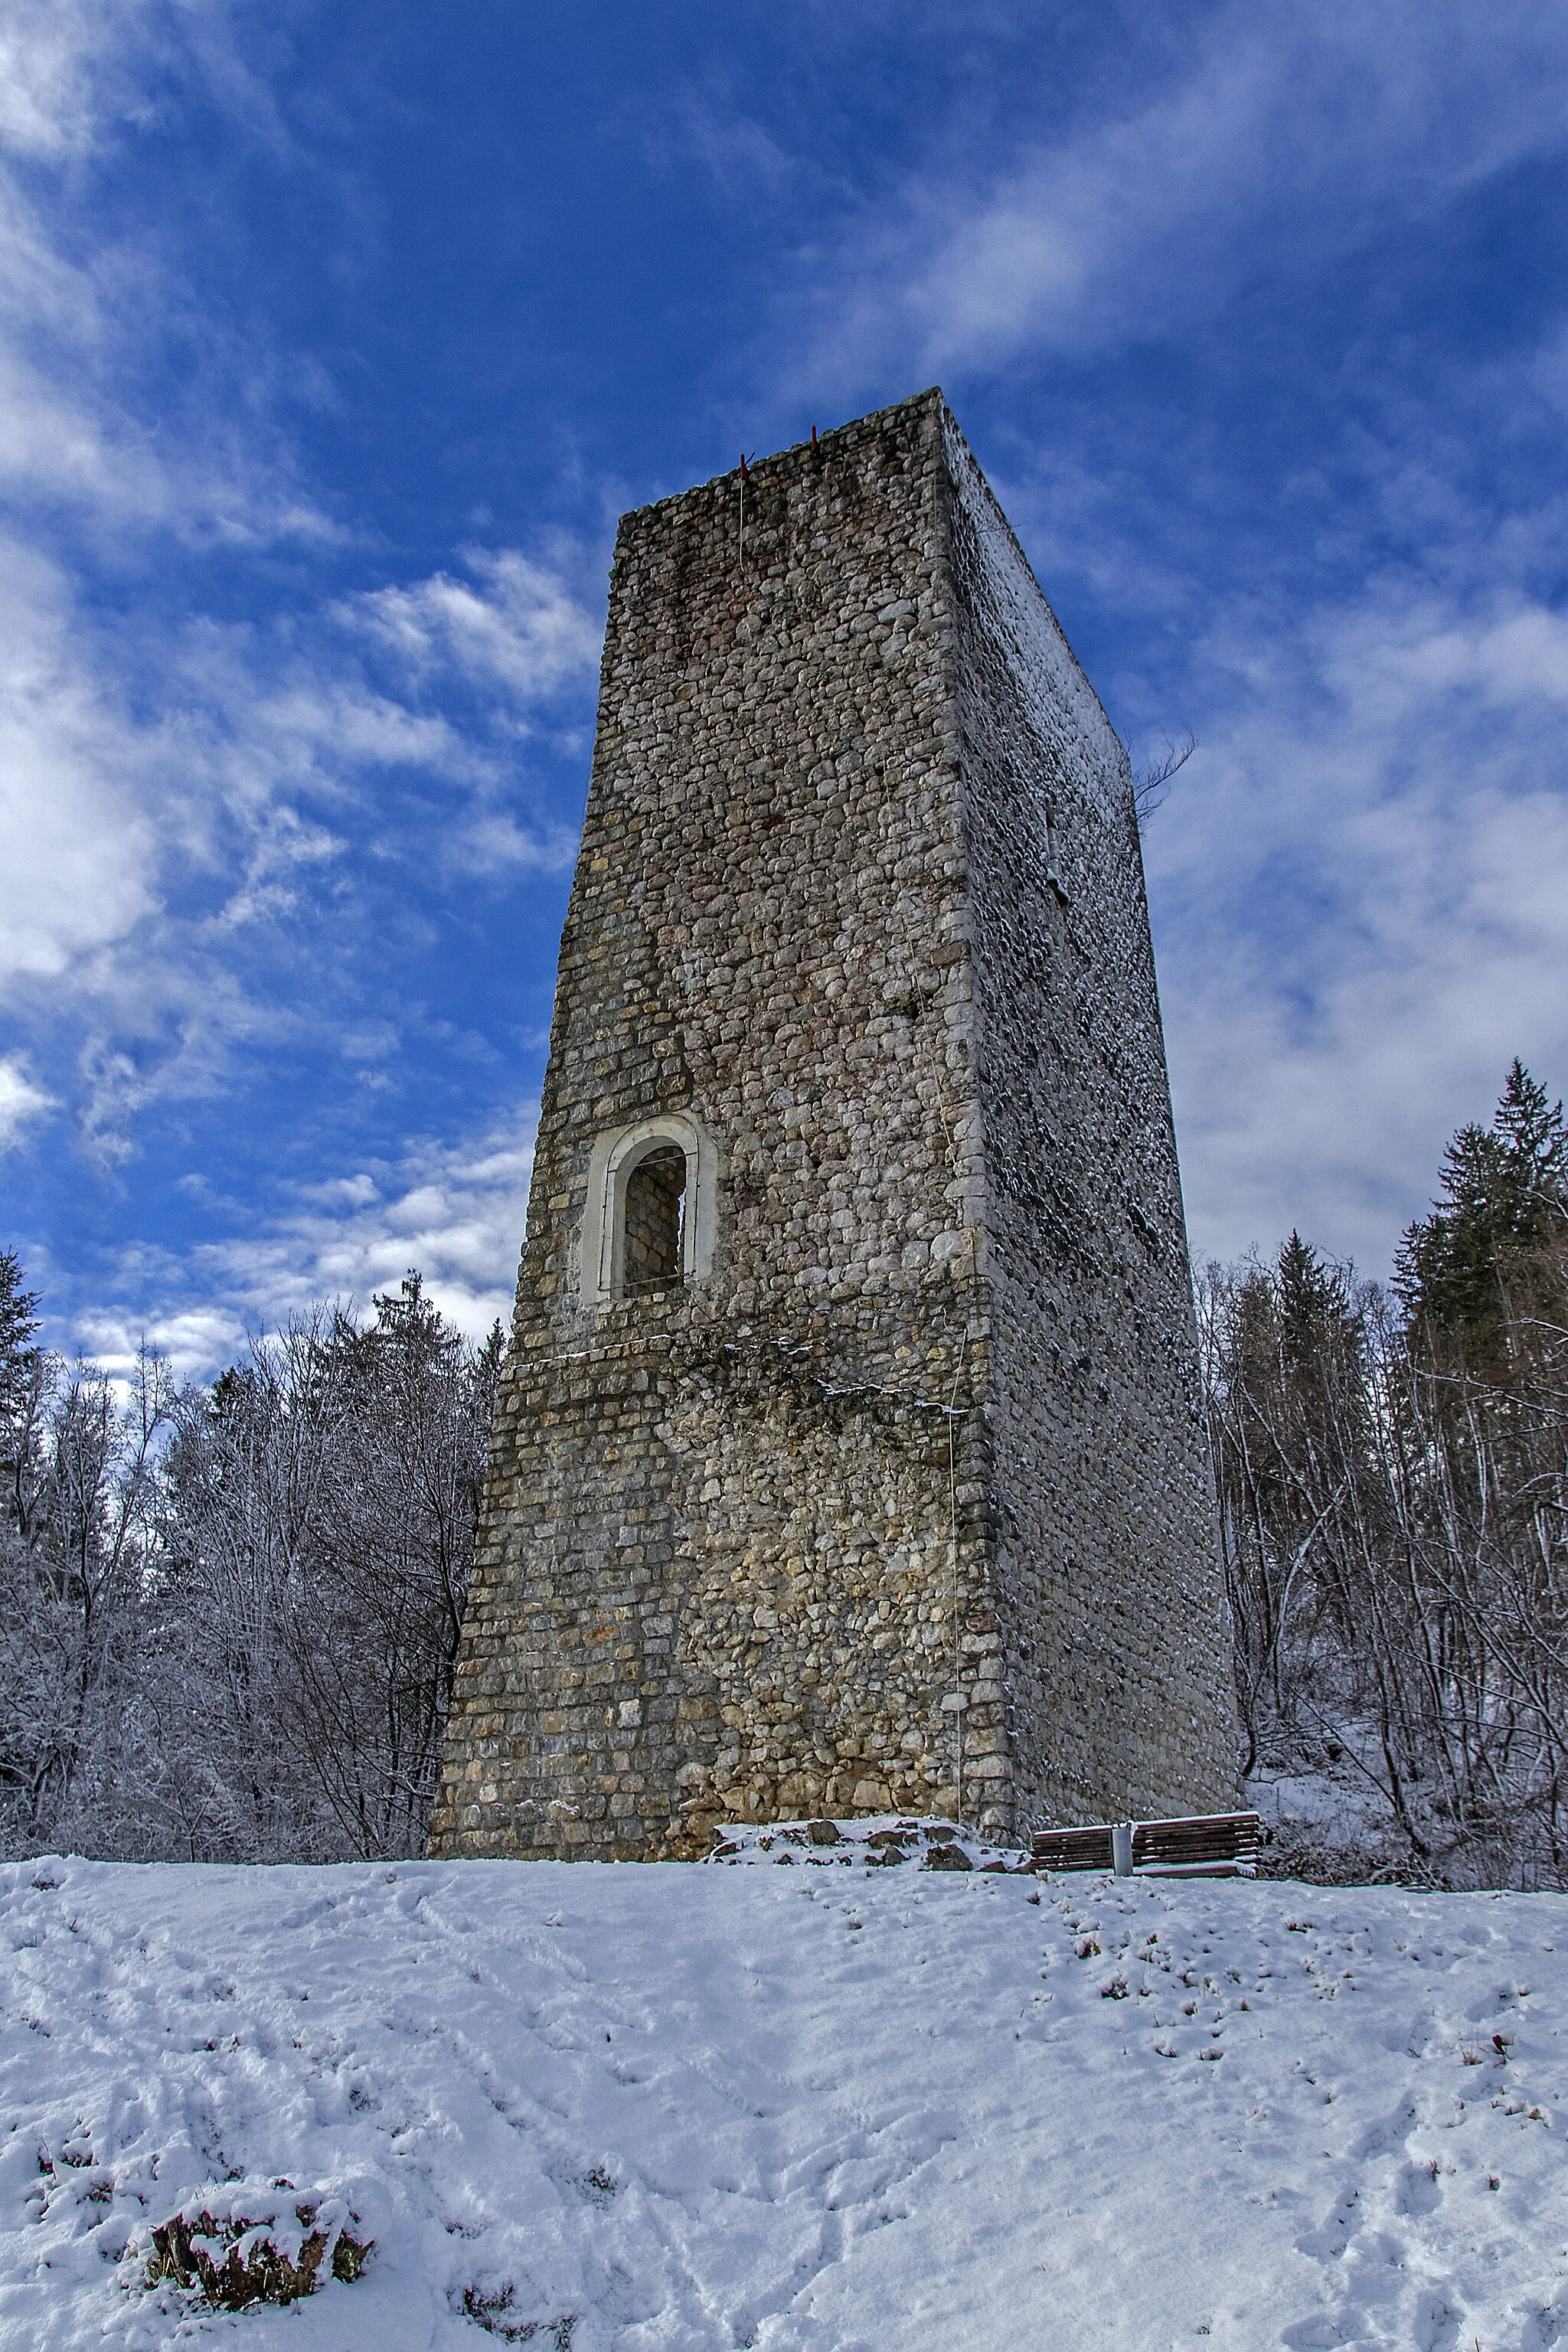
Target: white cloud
{"type": "Point", "coordinates": [491, 843]}
{"type": "Point", "coordinates": [455, 1211]}
{"type": "Point", "coordinates": [60, 65]}
{"type": "Point", "coordinates": [172, 790]}
{"type": "Point", "coordinates": [514, 624]}
{"type": "Point", "coordinates": [1362, 904]}
{"type": "Point", "coordinates": [21, 1101]}
{"type": "Point", "coordinates": [197, 1341]}
{"type": "Point", "coordinates": [81, 852]}
{"type": "Point", "coordinates": [81, 310]}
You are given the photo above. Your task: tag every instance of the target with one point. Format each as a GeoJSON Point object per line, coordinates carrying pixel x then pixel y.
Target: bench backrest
{"type": "Point", "coordinates": [1209, 1845]}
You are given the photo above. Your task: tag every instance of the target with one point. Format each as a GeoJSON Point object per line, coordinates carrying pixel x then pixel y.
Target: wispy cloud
{"type": "Point", "coordinates": [166, 782]}
{"type": "Point", "coordinates": [199, 810]}
{"type": "Point", "coordinates": [145, 848]}
{"type": "Point", "coordinates": [80, 845]}
{"type": "Point", "coordinates": [62, 63]}
{"type": "Point", "coordinates": [455, 1211]}
{"type": "Point", "coordinates": [1273, 144]}
{"type": "Point", "coordinates": [85, 312]}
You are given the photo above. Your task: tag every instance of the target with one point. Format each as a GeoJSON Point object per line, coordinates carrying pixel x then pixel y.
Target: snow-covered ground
{"type": "Point", "coordinates": [844, 2108]}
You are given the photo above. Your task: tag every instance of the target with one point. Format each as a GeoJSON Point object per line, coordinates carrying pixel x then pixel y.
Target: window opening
{"type": "Point", "coordinates": [650, 1218]}
{"type": "Point", "coordinates": [652, 1221]}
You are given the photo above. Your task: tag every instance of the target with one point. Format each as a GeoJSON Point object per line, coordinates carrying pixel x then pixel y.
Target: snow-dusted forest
{"type": "Point", "coordinates": [1393, 1475]}
{"type": "Point", "coordinates": [230, 1614]}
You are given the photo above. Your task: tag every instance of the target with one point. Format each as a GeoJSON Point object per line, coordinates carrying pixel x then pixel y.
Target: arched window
{"type": "Point", "coordinates": [650, 1221]}
{"type": "Point", "coordinates": [651, 1210]}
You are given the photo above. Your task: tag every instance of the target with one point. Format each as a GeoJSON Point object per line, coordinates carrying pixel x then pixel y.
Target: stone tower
{"type": "Point", "coordinates": [848, 1455]}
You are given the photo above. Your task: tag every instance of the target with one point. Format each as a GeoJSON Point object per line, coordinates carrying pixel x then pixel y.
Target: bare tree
{"type": "Point", "coordinates": [1152, 786]}
{"type": "Point", "coordinates": [1392, 1478]}
{"type": "Point", "coordinates": [229, 1617]}
{"type": "Point", "coordinates": [75, 1537]}
{"type": "Point", "coordinates": [319, 1533]}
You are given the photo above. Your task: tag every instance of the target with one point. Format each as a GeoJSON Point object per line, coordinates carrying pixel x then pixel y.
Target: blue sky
{"type": "Point", "coordinates": [334, 337]}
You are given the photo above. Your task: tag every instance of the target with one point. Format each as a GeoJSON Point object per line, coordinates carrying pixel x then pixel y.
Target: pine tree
{"type": "Point", "coordinates": [18, 1355]}
{"type": "Point", "coordinates": [1317, 1322]}
{"type": "Point", "coordinates": [1504, 1204]}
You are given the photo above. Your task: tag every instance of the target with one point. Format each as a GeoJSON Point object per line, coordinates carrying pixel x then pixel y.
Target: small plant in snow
{"type": "Point", "coordinates": [492, 2312]}
{"type": "Point", "coordinates": [255, 2248]}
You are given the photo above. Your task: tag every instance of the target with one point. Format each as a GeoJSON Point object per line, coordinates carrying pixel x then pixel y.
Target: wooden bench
{"type": "Point", "coordinates": [1211, 1845]}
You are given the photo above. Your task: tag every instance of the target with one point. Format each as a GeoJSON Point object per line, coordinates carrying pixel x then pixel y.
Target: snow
{"type": "Point", "coordinates": [871, 1840]}
{"type": "Point", "coordinates": [846, 2108]}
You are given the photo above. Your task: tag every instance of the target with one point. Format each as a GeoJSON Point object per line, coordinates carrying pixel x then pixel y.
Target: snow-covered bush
{"type": "Point", "coordinates": [244, 2245]}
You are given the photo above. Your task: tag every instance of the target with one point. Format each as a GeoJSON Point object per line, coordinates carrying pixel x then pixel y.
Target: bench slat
{"type": "Point", "coordinates": [1207, 1845]}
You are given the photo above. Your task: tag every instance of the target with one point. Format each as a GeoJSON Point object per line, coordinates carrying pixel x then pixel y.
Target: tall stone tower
{"type": "Point", "coordinates": [847, 1455]}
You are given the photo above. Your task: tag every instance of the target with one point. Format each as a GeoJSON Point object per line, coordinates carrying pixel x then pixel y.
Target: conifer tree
{"type": "Point", "coordinates": [1504, 1204]}
{"type": "Point", "coordinates": [18, 1355]}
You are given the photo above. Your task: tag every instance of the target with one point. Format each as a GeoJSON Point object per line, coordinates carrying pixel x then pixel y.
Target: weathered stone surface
{"type": "Point", "coordinates": [859, 898]}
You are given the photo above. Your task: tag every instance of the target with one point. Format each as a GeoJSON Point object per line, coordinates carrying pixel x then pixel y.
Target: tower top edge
{"type": "Point", "coordinates": [838, 437]}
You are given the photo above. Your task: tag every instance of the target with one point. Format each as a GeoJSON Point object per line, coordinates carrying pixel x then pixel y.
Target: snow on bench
{"type": "Point", "coordinates": [1209, 1845]}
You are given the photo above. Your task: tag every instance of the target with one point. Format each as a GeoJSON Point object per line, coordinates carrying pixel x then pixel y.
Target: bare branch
{"type": "Point", "coordinates": [1151, 786]}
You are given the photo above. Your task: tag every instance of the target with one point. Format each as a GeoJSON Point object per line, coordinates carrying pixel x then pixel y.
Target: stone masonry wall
{"type": "Point", "coordinates": [743, 1535]}
{"type": "Point", "coordinates": [1118, 1658]}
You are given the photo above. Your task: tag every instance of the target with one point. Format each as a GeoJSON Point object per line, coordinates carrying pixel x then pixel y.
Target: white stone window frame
{"type": "Point", "coordinates": [614, 1160]}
